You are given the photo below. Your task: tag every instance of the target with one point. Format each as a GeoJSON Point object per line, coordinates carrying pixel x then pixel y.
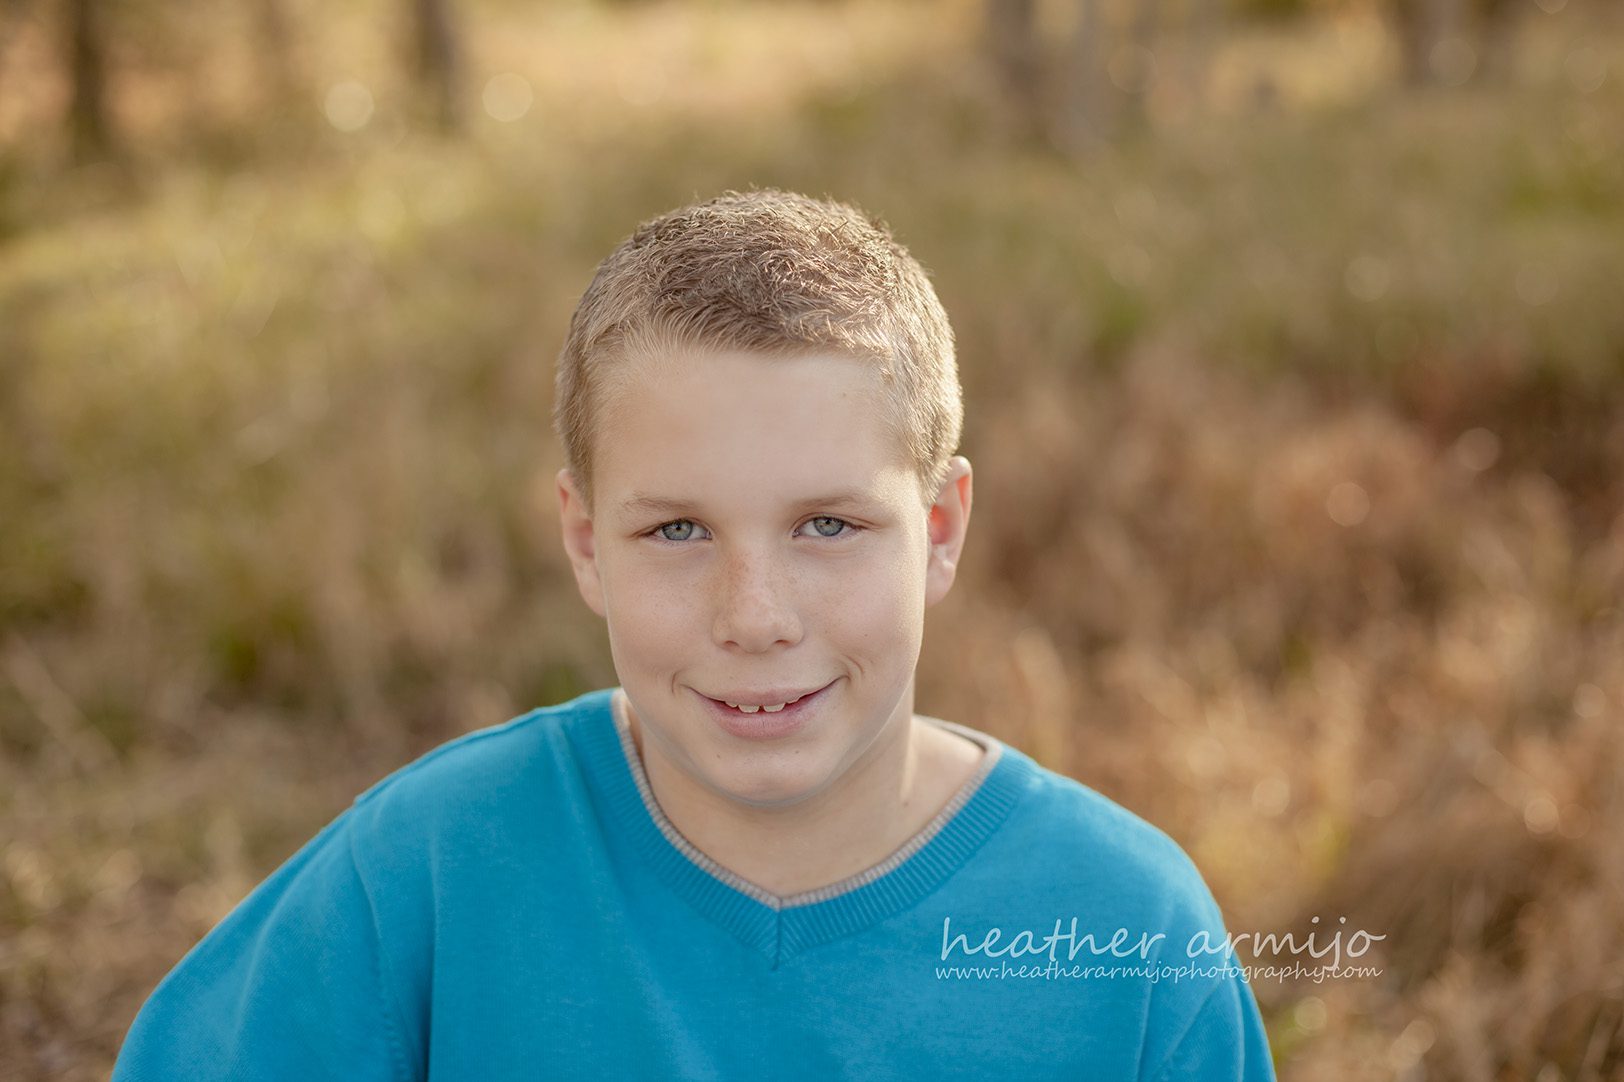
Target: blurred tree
{"type": "Point", "coordinates": [1277, 9]}
{"type": "Point", "coordinates": [276, 53]}
{"type": "Point", "coordinates": [1085, 118]}
{"type": "Point", "coordinates": [90, 132]}
{"type": "Point", "coordinates": [1498, 20]}
{"type": "Point", "coordinates": [1451, 42]}
{"type": "Point", "coordinates": [1117, 54]}
{"type": "Point", "coordinates": [1205, 23]}
{"type": "Point", "coordinates": [436, 62]}
{"type": "Point", "coordinates": [1422, 25]}
{"type": "Point", "coordinates": [1012, 44]}
{"type": "Point", "coordinates": [1134, 64]}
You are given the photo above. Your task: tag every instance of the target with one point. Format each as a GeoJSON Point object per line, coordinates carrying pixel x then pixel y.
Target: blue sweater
{"type": "Point", "coordinates": [514, 905]}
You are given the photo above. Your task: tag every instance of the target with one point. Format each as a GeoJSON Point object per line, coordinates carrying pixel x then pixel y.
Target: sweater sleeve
{"type": "Point", "coordinates": [288, 985]}
{"type": "Point", "coordinates": [1224, 1042]}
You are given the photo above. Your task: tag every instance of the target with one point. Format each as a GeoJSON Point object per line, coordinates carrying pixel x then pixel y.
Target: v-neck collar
{"type": "Point", "coordinates": [780, 926]}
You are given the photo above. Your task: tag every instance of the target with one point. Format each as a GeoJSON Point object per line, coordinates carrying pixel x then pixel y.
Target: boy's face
{"type": "Point", "coordinates": [755, 577]}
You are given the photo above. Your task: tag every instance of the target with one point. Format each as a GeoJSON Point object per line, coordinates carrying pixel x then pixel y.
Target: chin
{"type": "Point", "coordinates": [768, 788]}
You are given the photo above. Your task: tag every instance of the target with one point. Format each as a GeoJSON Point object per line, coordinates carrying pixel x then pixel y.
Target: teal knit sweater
{"type": "Point", "coordinates": [514, 905]}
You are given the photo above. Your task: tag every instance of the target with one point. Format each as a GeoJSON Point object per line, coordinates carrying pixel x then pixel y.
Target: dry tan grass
{"type": "Point", "coordinates": [1398, 720]}
{"type": "Point", "coordinates": [1299, 449]}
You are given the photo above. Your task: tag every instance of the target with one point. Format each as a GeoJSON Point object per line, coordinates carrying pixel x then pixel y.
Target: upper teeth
{"type": "Point", "coordinates": [771, 708]}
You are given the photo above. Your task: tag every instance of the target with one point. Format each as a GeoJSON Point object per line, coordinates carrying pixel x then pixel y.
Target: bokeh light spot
{"type": "Point", "coordinates": [1539, 814]}
{"type": "Point", "coordinates": [1589, 701]}
{"type": "Point", "coordinates": [1348, 504]}
{"type": "Point", "coordinates": [1271, 796]}
{"type": "Point", "coordinates": [1587, 69]}
{"type": "Point", "coordinates": [1411, 1045]}
{"type": "Point", "coordinates": [508, 96]}
{"type": "Point", "coordinates": [1132, 68]}
{"type": "Point", "coordinates": [348, 106]}
{"type": "Point", "coordinates": [1452, 61]}
{"type": "Point", "coordinates": [1367, 278]}
{"type": "Point", "coordinates": [1476, 449]}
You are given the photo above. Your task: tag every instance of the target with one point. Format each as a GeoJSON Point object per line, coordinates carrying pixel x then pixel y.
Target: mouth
{"type": "Point", "coordinates": [757, 721]}
{"type": "Point", "coordinates": [755, 703]}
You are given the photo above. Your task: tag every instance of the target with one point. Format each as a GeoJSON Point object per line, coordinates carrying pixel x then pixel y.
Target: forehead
{"type": "Point", "coordinates": [739, 431]}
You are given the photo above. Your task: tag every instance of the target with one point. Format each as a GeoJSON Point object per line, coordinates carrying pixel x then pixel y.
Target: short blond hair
{"type": "Point", "coordinates": [775, 273]}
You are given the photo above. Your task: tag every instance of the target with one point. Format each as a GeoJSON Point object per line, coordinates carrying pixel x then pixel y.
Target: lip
{"type": "Point", "coordinates": [762, 725]}
{"type": "Point", "coordinates": [766, 695]}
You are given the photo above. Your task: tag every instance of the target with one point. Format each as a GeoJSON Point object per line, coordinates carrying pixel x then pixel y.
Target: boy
{"type": "Point", "coordinates": [751, 859]}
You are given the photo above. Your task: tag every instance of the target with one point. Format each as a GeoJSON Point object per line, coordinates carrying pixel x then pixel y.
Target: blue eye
{"type": "Point", "coordinates": [685, 529]}
{"type": "Point", "coordinates": [682, 530]}
{"type": "Point", "coordinates": [660, 534]}
{"type": "Point", "coordinates": [837, 521]}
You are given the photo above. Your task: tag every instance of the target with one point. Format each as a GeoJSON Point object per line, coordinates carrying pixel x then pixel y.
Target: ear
{"type": "Point", "coordinates": [946, 523]}
{"type": "Point", "coordinates": [579, 543]}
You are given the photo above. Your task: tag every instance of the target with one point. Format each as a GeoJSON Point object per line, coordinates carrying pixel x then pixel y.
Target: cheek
{"type": "Point", "coordinates": [649, 608]}
{"type": "Point", "coordinates": [878, 602]}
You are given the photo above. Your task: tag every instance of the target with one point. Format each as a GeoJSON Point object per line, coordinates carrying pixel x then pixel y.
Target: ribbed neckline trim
{"type": "Point", "coordinates": [780, 926]}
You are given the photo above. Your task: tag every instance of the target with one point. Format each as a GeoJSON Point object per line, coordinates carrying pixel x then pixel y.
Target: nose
{"type": "Point", "coordinates": [756, 604]}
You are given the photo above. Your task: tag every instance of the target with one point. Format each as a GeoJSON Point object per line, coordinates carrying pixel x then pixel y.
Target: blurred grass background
{"type": "Point", "coordinates": [1296, 411]}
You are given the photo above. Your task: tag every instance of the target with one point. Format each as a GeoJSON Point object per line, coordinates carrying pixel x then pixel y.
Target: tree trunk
{"type": "Point", "coordinates": [1013, 43]}
{"type": "Point", "coordinates": [89, 130]}
{"type": "Point", "coordinates": [1202, 47]}
{"type": "Point", "coordinates": [276, 50]}
{"type": "Point", "coordinates": [1146, 23]}
{"type": "Point", "coordinates": [1497, 30]}
{"type": "Point", "coordinates": [436, 61]}
{"type": "Point", "coordinates": [1421, 26]}
{"type": "Point", "coordinates": [1086, 119]}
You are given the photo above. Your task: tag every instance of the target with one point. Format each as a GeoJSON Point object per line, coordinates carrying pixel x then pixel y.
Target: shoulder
{"type": "Point", "coordinates": [1096, 849]}
{"type": "Point", "coordinates": [482, 779]}
{"type": "Point", "coordinates": [1117, 870]}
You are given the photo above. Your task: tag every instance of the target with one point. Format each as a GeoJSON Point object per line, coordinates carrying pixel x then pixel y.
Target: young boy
{"type": "Point", "coordinates": [752, 858]}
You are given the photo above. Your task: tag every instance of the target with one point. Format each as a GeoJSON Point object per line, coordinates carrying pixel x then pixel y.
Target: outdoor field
{"type": "Point", "coordinates": [1295, 404]}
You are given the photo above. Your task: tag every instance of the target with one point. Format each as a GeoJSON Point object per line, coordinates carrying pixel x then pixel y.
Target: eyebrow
{"type": "Point", "coordinates": [641, 503]}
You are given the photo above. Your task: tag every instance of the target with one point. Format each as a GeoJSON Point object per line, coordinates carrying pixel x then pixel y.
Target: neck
{"type": "Point", "coordinates": [886, 796]}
